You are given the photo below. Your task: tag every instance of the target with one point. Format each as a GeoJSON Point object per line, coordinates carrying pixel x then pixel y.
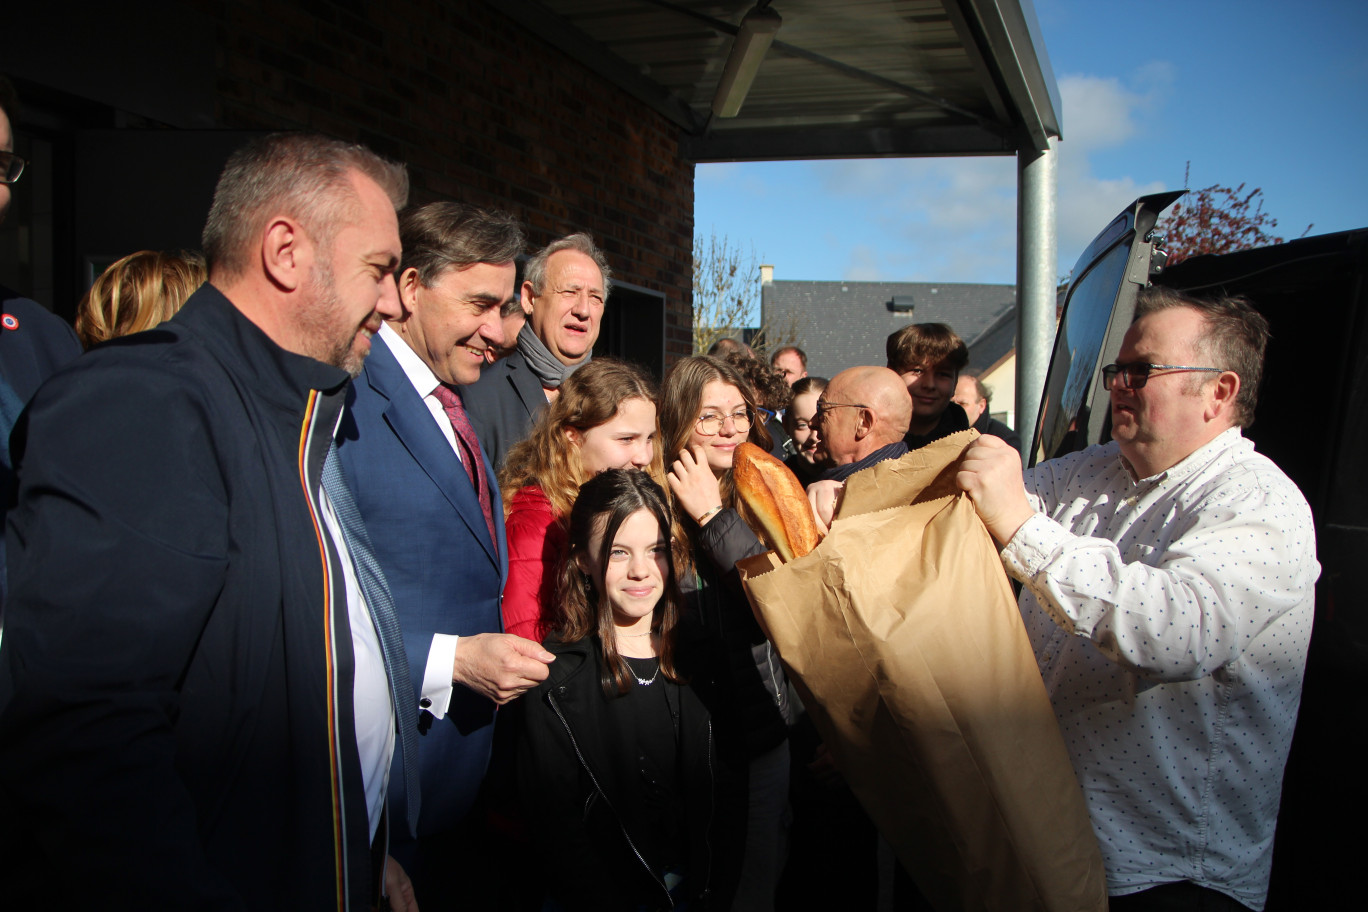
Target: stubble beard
{"type": "Point", "coordinates": [321, 323]}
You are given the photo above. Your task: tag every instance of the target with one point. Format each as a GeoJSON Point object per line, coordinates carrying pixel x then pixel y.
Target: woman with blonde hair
{"type": "Point", "coordinates": [136, 293]}
{"type": "Point", "coordinates": [708, 409]}
{"type": "Point", "coordinates": [603, 418]}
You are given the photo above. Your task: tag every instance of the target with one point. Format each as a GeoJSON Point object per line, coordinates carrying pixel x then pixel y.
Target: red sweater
{"type": "Point", "coordinates": [537, 545]}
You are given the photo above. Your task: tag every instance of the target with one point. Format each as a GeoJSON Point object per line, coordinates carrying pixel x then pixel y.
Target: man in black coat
{"type": "Point", "coordinates": [564, 289]}
{"type": "Point", "coordinates": [33, 342]}
{"type": "Point", "coordinates": [193, 711]}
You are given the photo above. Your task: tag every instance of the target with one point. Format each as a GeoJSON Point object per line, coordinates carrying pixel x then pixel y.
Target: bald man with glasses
{"type": "Point", "coordinates": [861, 419]}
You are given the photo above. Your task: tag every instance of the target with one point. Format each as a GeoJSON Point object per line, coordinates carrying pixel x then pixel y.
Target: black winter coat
{"type": "Point", "coordinates": [582, 797]}
{"type": "Point", "coordinates": [176, 679]}
{"type": "Point", "coordinates": [744, 687]}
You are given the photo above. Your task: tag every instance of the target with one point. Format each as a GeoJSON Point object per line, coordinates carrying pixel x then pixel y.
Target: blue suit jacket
{"type": "Point", "coordinates": [446, 576]}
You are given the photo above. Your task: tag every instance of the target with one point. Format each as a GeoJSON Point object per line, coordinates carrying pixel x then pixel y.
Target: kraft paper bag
{"type": "Point", "coordinates": [903, 637]}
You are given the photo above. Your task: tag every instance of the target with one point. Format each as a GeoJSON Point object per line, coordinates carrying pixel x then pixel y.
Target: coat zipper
{"type": "Point", "coordinates": [712, 813]}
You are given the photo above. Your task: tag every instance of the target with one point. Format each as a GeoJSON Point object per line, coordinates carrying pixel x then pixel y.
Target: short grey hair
{"type": "Point", "coordinates": [304, 175]}
{"type": "Point", "coordinates": [1235, 337]}
{"type": "Point", "coordinates": [535, 273]}
{"type": "Point", "coordinates": [980, 388]}
{"type": "Point", "coordinates": [449, 235]}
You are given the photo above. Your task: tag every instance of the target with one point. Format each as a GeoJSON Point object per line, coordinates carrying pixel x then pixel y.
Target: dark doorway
{"type": "Point", "coordinates": [634, 328]}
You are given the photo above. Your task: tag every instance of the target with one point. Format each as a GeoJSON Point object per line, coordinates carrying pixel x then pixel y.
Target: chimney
{"type": "Point", "coordinates": [766, 275]}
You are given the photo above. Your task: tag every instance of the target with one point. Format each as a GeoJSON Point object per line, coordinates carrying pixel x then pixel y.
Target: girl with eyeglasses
{"type": "Point", "coordinates": [772, 396]}
{"type": "Point", "coordinates": [707, 410]}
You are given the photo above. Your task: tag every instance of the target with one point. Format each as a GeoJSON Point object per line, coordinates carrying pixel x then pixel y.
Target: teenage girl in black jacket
{"type": "Point", "coordinates": [617, 765]}
{"type": "Point", "coordinates": [707, 410]}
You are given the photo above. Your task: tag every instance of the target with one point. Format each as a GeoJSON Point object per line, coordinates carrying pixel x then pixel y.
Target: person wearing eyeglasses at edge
{"type": "Point", "coordinates": [1168, 594]}
{"type": "Point", "coordinates": [617, 761]}
{"type": "Point", "coordinates": [34, 342]}
{"type": "Point", "coordinates": [929, 357]}
{"type": "Point", "coordinates": [707, 410]}
{"type": "Point", "coordinates": [798, 423]}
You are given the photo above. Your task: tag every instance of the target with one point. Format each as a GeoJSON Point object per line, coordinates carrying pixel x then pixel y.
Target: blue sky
{"type": "Point", "coordinates": [1262, 93]}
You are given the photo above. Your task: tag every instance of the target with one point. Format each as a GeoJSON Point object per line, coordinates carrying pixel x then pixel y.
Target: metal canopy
{"type": "Point", "coordinates": [844, 78]}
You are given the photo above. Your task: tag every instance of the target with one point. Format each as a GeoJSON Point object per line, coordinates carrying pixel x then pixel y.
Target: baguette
{"type": "Point", "coordinates": [774, 497]}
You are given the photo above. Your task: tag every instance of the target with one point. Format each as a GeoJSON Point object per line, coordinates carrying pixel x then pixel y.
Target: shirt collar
{"type": "Point", "coordinates": [417, 371]}
{"type": "Point", "coordinates": [1189, 463]}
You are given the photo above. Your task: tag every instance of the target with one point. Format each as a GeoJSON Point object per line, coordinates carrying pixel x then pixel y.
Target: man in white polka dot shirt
{"type": "Point", "coordinates": [1168, 592]}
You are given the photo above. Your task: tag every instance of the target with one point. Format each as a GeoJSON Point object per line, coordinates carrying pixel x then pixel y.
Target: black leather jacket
{"type": "Point", "coordinates": [744, 686]}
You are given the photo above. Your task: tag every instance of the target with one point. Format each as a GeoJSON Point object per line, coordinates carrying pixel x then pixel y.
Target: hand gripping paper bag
{"type": "Point", "coordinates": [903, 637]}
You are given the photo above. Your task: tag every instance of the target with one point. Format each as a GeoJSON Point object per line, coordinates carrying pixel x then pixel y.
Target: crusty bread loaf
{"type": "Point", "coordinates": [775, 498]}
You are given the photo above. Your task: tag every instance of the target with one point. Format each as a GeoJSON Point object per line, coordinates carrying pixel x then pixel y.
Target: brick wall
{"type": "Point", "coordinates": [481, 112]}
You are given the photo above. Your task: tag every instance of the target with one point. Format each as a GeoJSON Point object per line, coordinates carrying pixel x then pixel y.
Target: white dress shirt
{"type": "Point", "coordinates": [1171, 617]}
{"type": "Point", "coordinates": [441, 658]}
{"type": "Point", "coordinates": [371, 704]}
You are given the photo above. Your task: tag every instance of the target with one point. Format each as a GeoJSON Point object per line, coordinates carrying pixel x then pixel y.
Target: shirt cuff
{"type": "Point", "coordinates": [436, 695]}
{"type": "Point", "coordinates": [1037, 541]}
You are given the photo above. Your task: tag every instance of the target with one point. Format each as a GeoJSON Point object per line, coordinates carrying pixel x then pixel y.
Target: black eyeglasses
{"type": "Point", "coordinates": [824, 407]}
{"type": "Point", "coordinates": [1135, 375]}
{"type": "Point", "coordinates": [11, 166]}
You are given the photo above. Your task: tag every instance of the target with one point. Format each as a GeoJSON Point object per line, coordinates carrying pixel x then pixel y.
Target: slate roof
{"type": "Point", "coordinates": [844, 324]}
{"type": "Point", "coordinates": [996, 342]}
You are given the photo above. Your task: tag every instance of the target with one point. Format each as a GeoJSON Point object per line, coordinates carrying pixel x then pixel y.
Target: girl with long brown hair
{"type": "Point", "coordinates": [707, 410]}
{"type": "Point", "coordinates": [616, 765]}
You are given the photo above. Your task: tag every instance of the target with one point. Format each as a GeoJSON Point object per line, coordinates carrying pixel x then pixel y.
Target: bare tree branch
{"type": "Point", "coordinates": [726, 297]}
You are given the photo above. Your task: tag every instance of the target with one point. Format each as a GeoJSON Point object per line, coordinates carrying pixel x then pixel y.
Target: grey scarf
{"type": "Point", "coordinates": [547, 368]}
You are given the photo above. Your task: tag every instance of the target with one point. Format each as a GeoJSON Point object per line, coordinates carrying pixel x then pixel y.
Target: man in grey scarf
{"type": "Point", "coordinates": [564, 289]}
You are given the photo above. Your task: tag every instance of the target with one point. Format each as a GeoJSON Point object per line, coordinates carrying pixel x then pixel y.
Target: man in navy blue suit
{"type": "Point", "coordinates": [431, 505]}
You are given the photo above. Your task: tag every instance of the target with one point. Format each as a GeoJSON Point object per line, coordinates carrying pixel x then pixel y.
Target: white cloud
{"type": "Point", "coordinates": [718, 173]}
{"type": "Point", "coordinates": [1101, 114]}
{"type": "Point", "coordinates": [863, 265]}
{"type": "Point", "coordinates": [953, 219]}
{"type": "Point", "coordinates": [1098, 113]}
{"type": "Point", "coordinates": [855, 177]}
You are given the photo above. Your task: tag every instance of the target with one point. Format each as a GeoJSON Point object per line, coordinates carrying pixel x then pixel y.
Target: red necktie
{"type": "Point", "coordinates": [470, 450]}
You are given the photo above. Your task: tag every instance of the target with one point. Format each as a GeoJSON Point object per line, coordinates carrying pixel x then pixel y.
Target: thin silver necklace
{"type": "Point", "coordinates": [645, 682]}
